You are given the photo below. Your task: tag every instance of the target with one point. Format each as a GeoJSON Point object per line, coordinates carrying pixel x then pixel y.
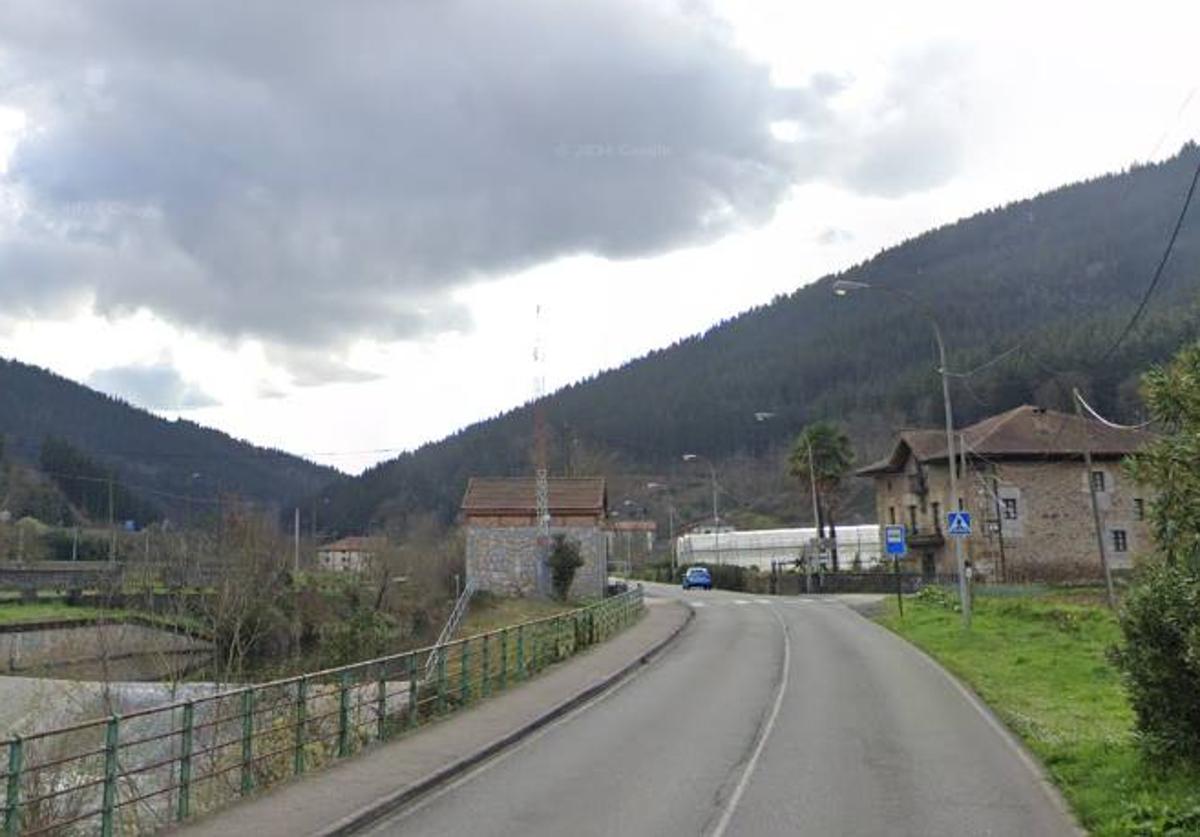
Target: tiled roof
{"type": "Point", "coordinates": [515, 495]}
{"type": "Point", "coordinates": [354, 543]}
{"type": "Point", "coordinates": [634, 525]}
{"type": "Point", "coordinates": [1025, 432]}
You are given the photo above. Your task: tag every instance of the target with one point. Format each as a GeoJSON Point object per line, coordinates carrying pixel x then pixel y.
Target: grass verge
{"type": "Point", "coordinates": [490, 613]}
{"type": "Point", "coordinates": [1039, 661]}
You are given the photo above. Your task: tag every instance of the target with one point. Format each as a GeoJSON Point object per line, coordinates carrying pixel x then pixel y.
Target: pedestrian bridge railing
{"type": "Point", "coordinates": [139, 772]}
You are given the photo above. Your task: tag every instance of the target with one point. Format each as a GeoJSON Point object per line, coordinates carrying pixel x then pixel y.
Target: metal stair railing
{"type": "Point", "coordinates": [456, 616]}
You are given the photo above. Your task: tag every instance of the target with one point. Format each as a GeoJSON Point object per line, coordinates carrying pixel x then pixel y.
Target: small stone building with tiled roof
{"type": "Point", "coordinates": [351, 554]}
{"type": "Point", "coordinates": [1025, 484]}
{"type": "Point", "coordinates": [500, 518]}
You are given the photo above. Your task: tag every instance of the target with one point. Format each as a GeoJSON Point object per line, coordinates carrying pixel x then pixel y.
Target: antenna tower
{"type": "Point", "coordinates": [540, 470]}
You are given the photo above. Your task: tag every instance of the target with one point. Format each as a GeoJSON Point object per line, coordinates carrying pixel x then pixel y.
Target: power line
{"type": "Point", "coordinates": [1105, 421]}
{"type": "Point", "coordinates": [1158, 271]}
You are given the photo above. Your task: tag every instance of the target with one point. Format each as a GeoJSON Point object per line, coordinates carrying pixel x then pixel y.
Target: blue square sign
{"type": "Point", "coordinates": [958, 523]}
{"type": "Point", "coordinates": [894, 540]}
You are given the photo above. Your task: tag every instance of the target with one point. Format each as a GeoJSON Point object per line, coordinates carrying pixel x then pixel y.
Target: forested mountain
{"type": "Point", "coordinates": [1057, 276]}
{"type": "Point", "coordinates": [80, 437]}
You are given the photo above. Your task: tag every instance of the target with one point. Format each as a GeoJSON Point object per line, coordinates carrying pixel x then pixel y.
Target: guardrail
{"type": "Point", "coordinates": [137, 773]}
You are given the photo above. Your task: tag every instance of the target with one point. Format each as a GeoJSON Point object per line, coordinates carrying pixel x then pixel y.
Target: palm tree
{"type": "Point", "coordinates": [827, 447]}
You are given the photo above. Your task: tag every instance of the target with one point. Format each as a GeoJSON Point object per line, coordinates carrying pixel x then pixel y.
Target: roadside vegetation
{"type": "Point", "coordinates": [490, 613]}
{"type": "Point", "coordinates": [1041, 659]}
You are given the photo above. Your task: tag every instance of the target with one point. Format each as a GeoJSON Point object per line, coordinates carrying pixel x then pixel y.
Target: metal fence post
{"type": "Point", "coordinates": [343, 714]}
{"type": "Point", "coordinates": [464, 671]}
{"type": "Point", "coordinates": [108, 805]}
{"type": "Point", "coordinates": [12, 797]}
{"type": "Point", "coordinates": [521, 672]}
{"type": "Point", "coordinates": [381, 703]}
{"type": "Point", "coordinates": [534, 646]}
{"type": "Point", "coordinates": [247, 741]}
{"type": "Point", "coordinates": [185, 761]}
{"type": "Point", "coordinates": [441, 679]}
{"type": "Point", "coordinates": [412, 690]}
{"type": "Point", "coordinates": [503, 658]}
{"type": "Point", "coordinates": [485, 687]}
{"type": "Point", "coordinates": [301, 725]}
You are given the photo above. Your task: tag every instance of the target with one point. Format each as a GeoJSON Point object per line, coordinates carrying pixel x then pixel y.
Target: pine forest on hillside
{"type": "Point", "coordinates": [1047, 282]}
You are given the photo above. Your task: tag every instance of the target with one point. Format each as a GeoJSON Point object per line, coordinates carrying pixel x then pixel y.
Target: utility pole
{"type": "Point", "coordinates": [999, 524]}
{"type": "Point", "coordinates": [1096, 521]}
{"type": "Point", "coordinates": [712, 471]}
{"type": "Point", "coordinates": [296, 543]}
{"type": "Point", "coordinates": [841, 288]}
{"type": "Point", "coordinates": [112, 527]}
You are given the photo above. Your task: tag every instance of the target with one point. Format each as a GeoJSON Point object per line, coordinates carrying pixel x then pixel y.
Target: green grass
{"type": "Point", "coordinates": [1039, 661]}
{"type": "Point", "coordinates": [491, 613]}
{"type": "Point", "coordinates": [17, 613]}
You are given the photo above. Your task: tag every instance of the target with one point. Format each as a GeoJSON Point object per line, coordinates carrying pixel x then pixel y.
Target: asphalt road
{"type": "Point", "coordinates": [769, 716]}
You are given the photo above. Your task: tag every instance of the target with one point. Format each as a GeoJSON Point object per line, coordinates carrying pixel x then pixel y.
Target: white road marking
{"type": "Point", "coordinates": [736, 797]}
{"type": "Point", "coordinates": [763, 601]}
{"type": "Point", "coordinates": [699, 604]}
{"type": "Point", "coordinates": [740, 602]}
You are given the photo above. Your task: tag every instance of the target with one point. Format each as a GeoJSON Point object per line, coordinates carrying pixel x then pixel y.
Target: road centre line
{"type": "Point", "coordinates": [764, 734]}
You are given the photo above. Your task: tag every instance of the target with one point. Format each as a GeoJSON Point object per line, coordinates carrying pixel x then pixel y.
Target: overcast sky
{"type": "Point", "coordinates": [326, 227]}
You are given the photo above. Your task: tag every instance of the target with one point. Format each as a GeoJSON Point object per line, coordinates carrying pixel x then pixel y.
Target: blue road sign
{"type": "Point", "coordinates": [893, 537]}
{"type": "Point", "coordinates": [958, 523]}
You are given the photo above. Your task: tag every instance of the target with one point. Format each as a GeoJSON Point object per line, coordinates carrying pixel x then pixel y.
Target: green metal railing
{"type": "Point", "coordinates": [138, 772]}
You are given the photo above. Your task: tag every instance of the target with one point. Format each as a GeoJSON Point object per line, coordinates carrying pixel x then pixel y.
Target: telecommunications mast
{"type": "Point", "coordinates": [540, 470]}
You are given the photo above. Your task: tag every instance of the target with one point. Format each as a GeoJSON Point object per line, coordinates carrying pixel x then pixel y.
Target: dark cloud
{"type": "Point", "coordinates": [154, 387]}
{"type": "Point", "coordinates": [314, 174]}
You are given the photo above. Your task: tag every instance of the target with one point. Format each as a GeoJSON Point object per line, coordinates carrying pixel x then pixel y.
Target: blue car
{"type": "Point", "coordinates": [697, 577]}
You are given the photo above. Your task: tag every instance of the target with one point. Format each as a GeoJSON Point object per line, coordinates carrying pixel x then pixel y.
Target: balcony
{"type": "Point", "coordinates": [925, 538]}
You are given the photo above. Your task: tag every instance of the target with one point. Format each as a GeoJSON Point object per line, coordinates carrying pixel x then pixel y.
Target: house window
{"type": "Point", "coordinates": [937, 516]}
{"type": "Point", "coordinates": [892, 515]}
{"type": "Point", "coordinates": [1098, 482]}
{"type": "Point", "coordinates": [1120, 541]}
{"type": "Point", "coordinates": [912, 518]}
{"type": "Point", "coordinates": [1010, 508]}
{"type": "Point", "coordinates": [1139, 508]}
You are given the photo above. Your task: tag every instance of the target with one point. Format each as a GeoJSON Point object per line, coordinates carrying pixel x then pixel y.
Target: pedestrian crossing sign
{"type": "Point", "coordinates": [958, 523]}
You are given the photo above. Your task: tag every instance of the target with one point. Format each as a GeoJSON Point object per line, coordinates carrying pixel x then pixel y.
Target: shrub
{"type": "Point", "coordinates": [564, 561]}
{"type": "Point", "coordinates": [1160, 661]}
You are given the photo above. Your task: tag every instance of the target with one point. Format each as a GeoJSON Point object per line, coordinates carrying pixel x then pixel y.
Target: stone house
{"type": "Point", "coordinates": [500, 518]}
{"type": "Point", "coordinates": [353, 554]}
{"type": "Point", "coordinates": [1025, 485]}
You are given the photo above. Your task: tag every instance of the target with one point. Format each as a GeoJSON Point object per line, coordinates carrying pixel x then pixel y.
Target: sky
{"type": "Point", "coordinates": [330, 227]}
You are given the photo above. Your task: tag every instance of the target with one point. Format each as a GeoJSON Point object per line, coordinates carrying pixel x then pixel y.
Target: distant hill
{"type": "Point", "coordinates": [1057, 275]}
{"type": "Point", "coordinates": [158, 464]}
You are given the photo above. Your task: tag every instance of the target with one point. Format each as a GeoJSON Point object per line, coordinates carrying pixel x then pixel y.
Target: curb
{"type": "Point", "coordinates": [381, 808]}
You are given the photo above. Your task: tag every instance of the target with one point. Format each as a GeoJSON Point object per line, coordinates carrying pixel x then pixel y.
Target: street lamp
{"type": "Point", "coordinates": [662, 486]}
{"type": "Point", "coordinates": [690, 457]}
{"type": "Point", "coordinates": [843, 287]}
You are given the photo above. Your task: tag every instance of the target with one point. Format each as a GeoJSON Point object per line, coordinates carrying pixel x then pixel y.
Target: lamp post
{"type": "Point", "coordinates": [842, 287]}
{"type": "Point", "coordinates": [689, 457]}
{"type": "Point", "coordinates": [662, 486]}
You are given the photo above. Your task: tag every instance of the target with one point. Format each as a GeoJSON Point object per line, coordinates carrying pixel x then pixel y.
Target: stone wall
{"type": "Point", "coordinates": [1052, 537]}
{"type": "Point", "coordinates": [504, 560]}
{"type": "Point", "coordinates": [33, 646]}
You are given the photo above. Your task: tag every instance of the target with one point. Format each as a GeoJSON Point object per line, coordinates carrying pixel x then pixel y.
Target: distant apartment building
{"type": "Point", "coordinates": [503, 554]}
{"type": "Point", "coordinates": [1026, 487]}
{"type": "Point", "coordinates": [353, 554]}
